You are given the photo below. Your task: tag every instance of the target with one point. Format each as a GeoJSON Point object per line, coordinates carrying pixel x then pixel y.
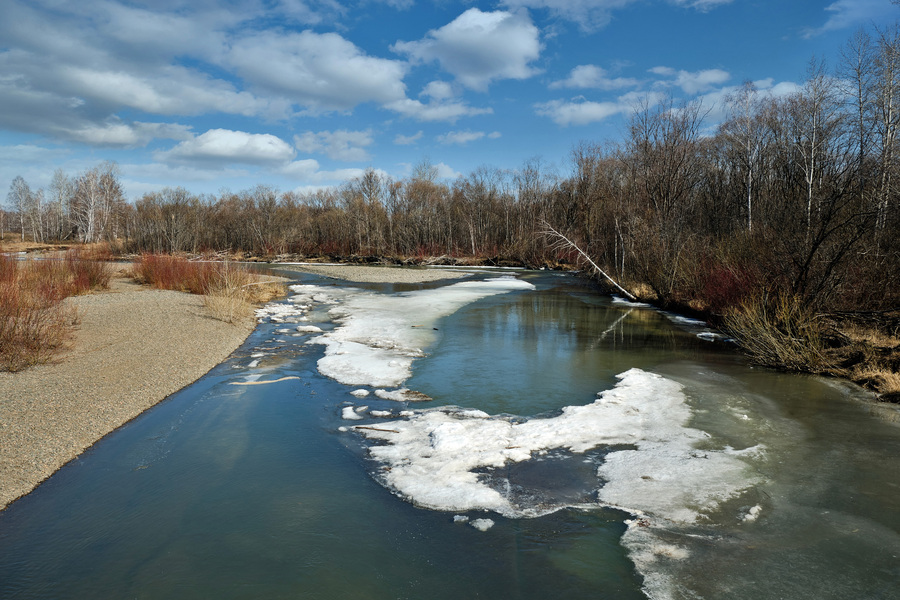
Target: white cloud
{"type": "Point", "coordinates": [342, 145]}
{"type": "Point", "coordinates": [438, 90]}
{"type": "Point", "coordinates": [408, 140]}
{"type": "Point", "coordinates": [582, 112]}
{"type": "Point", "coordinates": [845, 14]}
{"type": "Point", "coordinates": [117, 133]}
{"type": "Point", "coordinates": [171, 90]}
{"type": "Point", "coordinates": [701, 5]}
{"type": "Point", "coordinates": [464, 137]}
{"type": "Point", "coordinates": [224, 146]}
{"type": "Point", "coordinates": [480, 47]}
{"type": "Point", "coordinates": [692, 82]}
{"type": "Point", "coordinates": [321, 72]}
{"type": "Point", "coordinates": [592, 76]}
{"type": "Point", "coordinates": [595, 14]}
{"type": "Point", "coordinates": [445, 171]}
{"type": "Point", "coordinates": [566, 112]}
{"type": "Point", "coordinates": [589, 14]}
{"type": "Point", "coordinates": [435, 111]}
{"type": "Point", "coordinates": [309, 171]}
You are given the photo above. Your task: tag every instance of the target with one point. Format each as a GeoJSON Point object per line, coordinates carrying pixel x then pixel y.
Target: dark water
{"type": "Point", "coordinates": [232, 491]}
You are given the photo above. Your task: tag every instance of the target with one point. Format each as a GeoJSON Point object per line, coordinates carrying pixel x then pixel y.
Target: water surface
{"type": "Point", "coordinates": [240, 491]}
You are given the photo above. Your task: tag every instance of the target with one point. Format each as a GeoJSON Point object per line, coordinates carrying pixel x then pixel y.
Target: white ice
{"type": "Point", "coordinates": [349, 413]}
{"type": "Point", "coordinates": [380, 335]}
{"type": "Point", "coordinates": [434, 455]}
{"type": "Point", "coordinates": [482, 524]}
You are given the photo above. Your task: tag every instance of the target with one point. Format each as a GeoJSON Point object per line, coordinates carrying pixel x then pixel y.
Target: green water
{"type": "Point", "coordinates": [231, 491]}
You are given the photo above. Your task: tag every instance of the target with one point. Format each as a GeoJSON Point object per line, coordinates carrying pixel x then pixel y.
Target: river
{"type": "Point", "coordinates": [507, 436]}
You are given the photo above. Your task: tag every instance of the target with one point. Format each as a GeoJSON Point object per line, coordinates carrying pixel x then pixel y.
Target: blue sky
{"type": "Point", "coordinates": [300, 94]}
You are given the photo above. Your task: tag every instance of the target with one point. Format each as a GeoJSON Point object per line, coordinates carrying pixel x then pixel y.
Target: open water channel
{"type": "Point", "coordinates": [299, 468]}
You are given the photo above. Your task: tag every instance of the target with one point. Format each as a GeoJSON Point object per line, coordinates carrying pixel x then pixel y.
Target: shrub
{"type": "Point", "coordinates": [228, 290]}
{"type": "Point", "coordinates": [167, 272]}
{"type": "Point", "coordinates": [778, 331]}
{"type": "Point", "coordinates": [87, 273]}
{"type": "Point", "coordinates": [34, 322]}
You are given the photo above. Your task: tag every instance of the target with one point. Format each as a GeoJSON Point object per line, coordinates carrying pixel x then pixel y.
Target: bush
{"type": "Point", "coordinates": [778, 331]}
{"type": "Point", "coordinates": [228, 290]}
{"type": "Point", "coordinates": [167, 272]}
{"type": "Point", "coordinates": [34, 322]}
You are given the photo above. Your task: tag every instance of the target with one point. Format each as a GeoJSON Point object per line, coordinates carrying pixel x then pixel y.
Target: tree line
{"type": "Point", "coordinates": [794, 195]}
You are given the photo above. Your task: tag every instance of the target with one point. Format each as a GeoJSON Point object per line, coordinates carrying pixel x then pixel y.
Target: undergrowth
{"type": "Point", "coordinates": [228, 290]}
{"type": "Point", "coordinates": [34, 320]}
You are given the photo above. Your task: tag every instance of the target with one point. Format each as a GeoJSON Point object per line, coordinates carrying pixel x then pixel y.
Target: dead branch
{"type": "Point", "coordinates": [564, 242]}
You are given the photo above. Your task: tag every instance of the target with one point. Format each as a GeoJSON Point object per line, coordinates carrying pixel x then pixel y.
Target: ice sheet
{"type": "Point", "coordinates": [441, 458]}
{"type": "Point", "coordinates": [380, 335]}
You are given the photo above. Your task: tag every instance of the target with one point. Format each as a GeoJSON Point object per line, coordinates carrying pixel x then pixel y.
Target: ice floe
{"type": "Point", "coordinates": [379, 335]}
{"type": "Point", "coordinates": [441, 458]}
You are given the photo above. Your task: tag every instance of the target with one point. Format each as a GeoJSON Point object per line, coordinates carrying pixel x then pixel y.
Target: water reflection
{"type": "Point", "coordinates": [252, 491]}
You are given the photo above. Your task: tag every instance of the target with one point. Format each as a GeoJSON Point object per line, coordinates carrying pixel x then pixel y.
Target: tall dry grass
{"type": "Point", "coordinates": [778, 331]}
{"type": "Point", "coordinates": [229, 290]}
{"type": "Point", "coordinates": [34, 321]}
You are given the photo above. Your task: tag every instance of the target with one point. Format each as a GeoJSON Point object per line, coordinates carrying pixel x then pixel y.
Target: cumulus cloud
{"type": "Point", "coordinates": [118, 133]}
{"type": "Point", "coordinates": [592, 76]}
{"type": "Point", "coordinates": [309, 171]}
{"type": "Point", "coordinates": [349, 146]}
{"type": "Point", "coordinates": [480, 47]}
{"type": "Point", "coordinates": [701, 5]}
{"type": "Point", "coordinates": [438, 90]}
{"type": "Point", "coordinates": [322, 72]}
{"type": "Point", "coordinates": [595, 14]}
{"type": "Point", "coordinates": [692, 82]}
{"type": "Point", "coordinates": [580, 111]}
{"type": "Point", "coordinates": [224, 147]}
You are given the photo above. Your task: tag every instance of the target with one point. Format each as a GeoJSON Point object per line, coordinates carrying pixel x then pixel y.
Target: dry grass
{"type": "Point", "coordinates": [883, 380]}
{"type": "Point", "coordinates": [228, 290]}
{"type": "Point", "coordinates": [778, 332]}
{"type": "Point", "coordinates": [870, 336]}
{"type": "Point", "coordinates": [34, 322]}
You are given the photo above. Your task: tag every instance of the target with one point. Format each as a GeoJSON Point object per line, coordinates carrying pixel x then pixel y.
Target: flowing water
{"type": "Point", "coordinates": [692, 475]}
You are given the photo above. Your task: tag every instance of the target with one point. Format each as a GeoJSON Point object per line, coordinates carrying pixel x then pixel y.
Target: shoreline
{"type": "Point", "coordinates": [132, 348]}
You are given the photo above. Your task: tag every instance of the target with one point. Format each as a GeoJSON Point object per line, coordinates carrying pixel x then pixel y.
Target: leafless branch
{"type": "Point", "coordinates": [564, 242]}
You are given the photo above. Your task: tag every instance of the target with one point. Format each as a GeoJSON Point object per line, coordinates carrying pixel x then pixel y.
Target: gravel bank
{"type": "Point", "coordinates": [379, 274]}
{"type": "Point", "coordinates": [133, 347]}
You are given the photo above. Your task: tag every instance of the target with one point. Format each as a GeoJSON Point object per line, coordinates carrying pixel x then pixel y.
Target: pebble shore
{"type": "Point", "coordinates": [132, 348]}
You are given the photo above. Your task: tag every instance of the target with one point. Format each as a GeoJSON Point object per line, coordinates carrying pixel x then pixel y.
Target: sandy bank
{"type": "Point", "coordinates": [133, 347]}
{"type": "Point", "coordinates": [378, 274]}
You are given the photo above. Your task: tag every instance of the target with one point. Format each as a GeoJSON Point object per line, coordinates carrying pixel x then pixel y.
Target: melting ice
{"type": "Point", "coordinates": [438, 457]}
{"type": "Point", "coordinates": [380, 335]}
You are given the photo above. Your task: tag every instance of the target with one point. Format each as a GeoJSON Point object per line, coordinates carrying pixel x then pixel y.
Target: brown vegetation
{"type": "Point", "coordinates": [229, 290]}
{"type": "Point", "coordinates": [34, 321]}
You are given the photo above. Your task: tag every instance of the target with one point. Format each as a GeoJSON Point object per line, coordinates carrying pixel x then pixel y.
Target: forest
{"type": "Point", "coordinates": [779, 223]}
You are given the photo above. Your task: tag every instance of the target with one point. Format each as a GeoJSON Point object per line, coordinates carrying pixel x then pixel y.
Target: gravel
{"type": "Point", "coordinates": [132, 348]}
{"type": "Point", "coordinates": [379, 274]}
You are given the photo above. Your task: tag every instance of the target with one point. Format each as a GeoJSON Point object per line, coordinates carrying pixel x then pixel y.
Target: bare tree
{"type": "Point", "coordinates": [745, 132]}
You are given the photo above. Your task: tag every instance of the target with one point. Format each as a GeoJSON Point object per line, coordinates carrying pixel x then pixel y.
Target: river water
{"type": "Point", "coordinates": [300, 469]}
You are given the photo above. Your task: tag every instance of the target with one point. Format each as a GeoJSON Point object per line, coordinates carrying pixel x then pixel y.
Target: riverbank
{"type": "Point", "coordinates": [133, 347]}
